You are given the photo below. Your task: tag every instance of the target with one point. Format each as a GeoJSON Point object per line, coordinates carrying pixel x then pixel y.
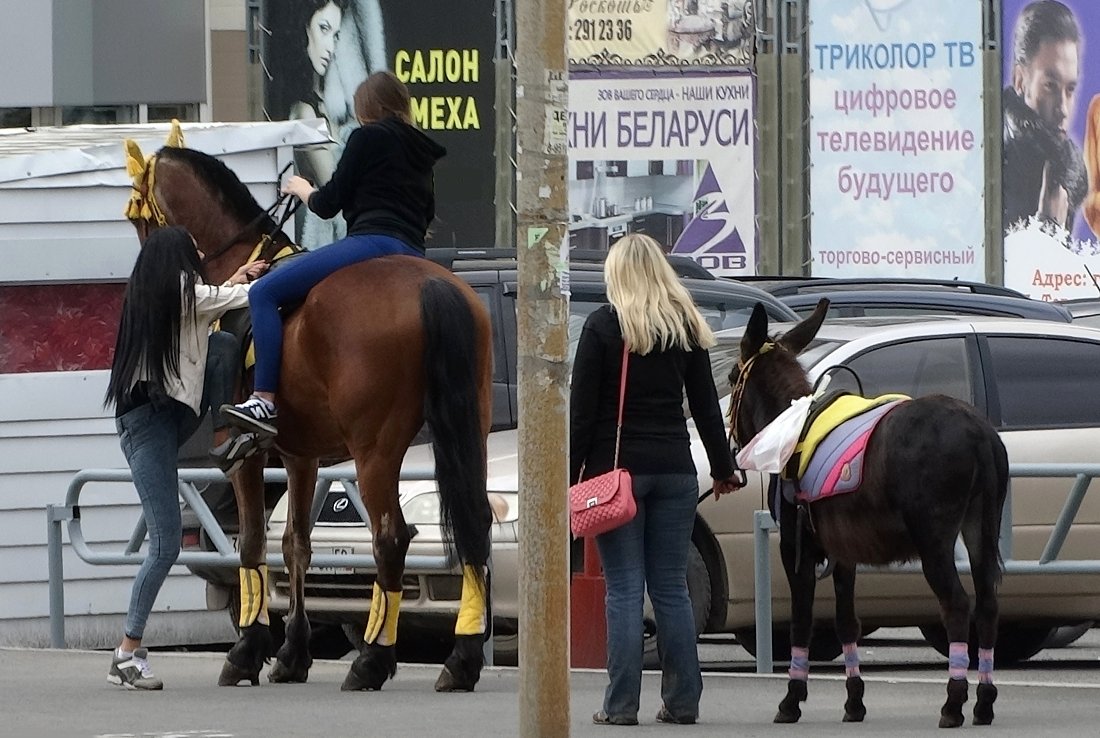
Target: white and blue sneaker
{"type": "Point", "coordinates": [254, 414]}
{"type": "Point", "coordinates": [132, 671]}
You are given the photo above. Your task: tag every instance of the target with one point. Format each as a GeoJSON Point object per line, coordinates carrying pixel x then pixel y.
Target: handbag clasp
{"type": "Point", "coordinates": [591, 502]}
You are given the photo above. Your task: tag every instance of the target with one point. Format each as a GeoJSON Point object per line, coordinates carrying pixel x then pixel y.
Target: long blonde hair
{"type": "Point", "coordinates": [654, 309]}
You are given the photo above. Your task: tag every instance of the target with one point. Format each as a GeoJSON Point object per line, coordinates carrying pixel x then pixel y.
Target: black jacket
{"type": "Point", "coordinates": [383, 182]}
{"type": "Point", "coordinates": [654, 438]}
{"type": "Point", "coordinates": [1029, 143]}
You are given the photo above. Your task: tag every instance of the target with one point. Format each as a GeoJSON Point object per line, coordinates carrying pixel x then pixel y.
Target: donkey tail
{"type": "Point", "coordinates": [453, 412]}
{"type": "Point", "coordinates": [993, 492]}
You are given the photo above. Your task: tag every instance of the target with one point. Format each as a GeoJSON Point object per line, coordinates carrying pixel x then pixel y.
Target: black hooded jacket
{"type": "Point", "coordinates": [1029, 143]}
{"type": "Point", "coordinates": [384, 182]}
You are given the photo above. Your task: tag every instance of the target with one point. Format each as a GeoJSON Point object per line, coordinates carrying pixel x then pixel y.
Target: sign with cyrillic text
{"type": "Point", "coordinates": [897, 181]}
{"type": "Point", "coordinates": [668, 155]}
{"type": "Point", "coordinates": [661, 32]}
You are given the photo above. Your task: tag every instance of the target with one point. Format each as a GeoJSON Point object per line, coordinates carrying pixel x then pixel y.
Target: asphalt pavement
{"type": "Point", "coordinates": [46, 693]}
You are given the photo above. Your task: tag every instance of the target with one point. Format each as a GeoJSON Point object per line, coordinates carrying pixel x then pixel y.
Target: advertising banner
{"type": "Point", "coordinates": [669, 155]}
{"type": "Point", "coordinates": [1051, 176]}
{"type": "Point", "coordinates": [317, 53]}
{"type": "Point", "coordinates": [897, 178]}
{"type": "Point", "coordinates": [656, 32]}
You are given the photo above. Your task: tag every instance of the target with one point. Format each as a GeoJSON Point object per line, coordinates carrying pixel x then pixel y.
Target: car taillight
{"type": "Point", "coordinates": [190, 539]}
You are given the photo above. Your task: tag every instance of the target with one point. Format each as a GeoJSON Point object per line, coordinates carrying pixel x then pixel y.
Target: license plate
{"type": "Point", "coordinates": [337, 551]}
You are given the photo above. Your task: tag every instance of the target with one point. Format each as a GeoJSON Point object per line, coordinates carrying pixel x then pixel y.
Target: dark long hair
{"type": "Point", "coordinates": [160, 293]}
{"type": "Point", "coordinates": [1044, 20]}
{"type": "Point", "coordinates": [286, 58]}
{"type": "Point", "coordinates": [381, 95]}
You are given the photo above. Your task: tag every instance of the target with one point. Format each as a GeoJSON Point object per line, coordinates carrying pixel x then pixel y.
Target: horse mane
{"type": "Point", "coordinates": [224, 185]}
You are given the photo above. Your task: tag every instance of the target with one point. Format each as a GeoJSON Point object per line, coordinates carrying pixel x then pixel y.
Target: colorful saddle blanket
{"type": "Point", "coordinates": [830, 456]}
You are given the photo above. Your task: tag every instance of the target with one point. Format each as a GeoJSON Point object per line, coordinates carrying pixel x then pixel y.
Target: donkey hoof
{"type": "Point", "coordinates": [448, 682]}
{"type": "Point", "coordinates": [951, 721]}
{"type": "Point", "coordinates": [854, 709]}
{"type": "Point", "coordinates": [951, 714]}
{"type": "Point", "coordinates": [283, 674]}
{"type": "Point", "coordinates": [232, 675]}
{"type": "Point", "coordinates": [789, 711]}
{"type": "Point", "coordinates": [983, 708]}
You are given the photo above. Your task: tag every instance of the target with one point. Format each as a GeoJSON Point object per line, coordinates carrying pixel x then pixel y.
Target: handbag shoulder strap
{"type": "Point", "coordinates": [622, 401]}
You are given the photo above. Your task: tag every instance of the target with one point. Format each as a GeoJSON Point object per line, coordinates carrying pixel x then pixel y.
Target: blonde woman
{"type": "Point", "coordinates": [655, 317]}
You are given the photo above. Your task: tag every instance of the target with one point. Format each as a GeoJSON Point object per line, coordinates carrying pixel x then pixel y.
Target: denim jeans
{"type": "Point", "coordinates": [150, 436]}
{"type": "Point", "coordinates": [292, 282]}
{"type": "Point", "coordinates": [651, 552]}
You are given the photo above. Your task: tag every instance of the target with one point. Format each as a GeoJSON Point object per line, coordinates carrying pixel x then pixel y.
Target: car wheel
{"type": "Point", "coordinates": [1015, 641]}
{"type": "Point", "coordinates": [698, 580]}
{"type": "Point", "coordinates": [824, 645]}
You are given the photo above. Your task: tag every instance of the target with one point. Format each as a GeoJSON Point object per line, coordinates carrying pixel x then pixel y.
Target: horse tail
{"type": "Point", "coordinates": [452, 409]}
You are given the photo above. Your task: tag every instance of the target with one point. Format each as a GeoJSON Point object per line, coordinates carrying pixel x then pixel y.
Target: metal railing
{"type": "Point", "coordinates": [224, 555]}
{"type": "Point", "coordinates": [1047, 563]}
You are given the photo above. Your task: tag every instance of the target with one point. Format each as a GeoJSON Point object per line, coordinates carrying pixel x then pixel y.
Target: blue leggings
{"type": "Point", "coordinates": [292, 282]}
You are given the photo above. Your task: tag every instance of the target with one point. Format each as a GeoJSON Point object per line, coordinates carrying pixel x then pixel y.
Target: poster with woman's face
{"type": "Point", "coordinates": [1051, 174]}
{"type": "Point", "coordinates": [317, 52]}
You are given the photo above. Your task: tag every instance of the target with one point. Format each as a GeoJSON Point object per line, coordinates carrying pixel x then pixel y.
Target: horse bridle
{"type": "Point", "coordinates": [743, 370]}
{"type": "Point", "coordinates": [269, 237]}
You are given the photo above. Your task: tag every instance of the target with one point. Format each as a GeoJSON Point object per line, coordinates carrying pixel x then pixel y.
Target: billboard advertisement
{"type": "Point", "coordinates": [897, 179]}
{"type": "Point", "coordinates": [1051, 175]}
{"type": "Point", "coordinates": [656, 32]}
{"type": "Point", "coordinates": [316, 52]}
{"type": "Point", "coordinates": [669, 155]}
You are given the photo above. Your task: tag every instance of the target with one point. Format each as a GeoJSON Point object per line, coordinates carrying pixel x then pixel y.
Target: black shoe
{"type": "Point", "coordinates": [254, 414]}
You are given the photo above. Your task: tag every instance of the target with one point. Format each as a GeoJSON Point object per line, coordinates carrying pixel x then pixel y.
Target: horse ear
{"type": "Point", "coordinates": [799, 337]}
{"type": "Point", "coordinates": [756, 332]}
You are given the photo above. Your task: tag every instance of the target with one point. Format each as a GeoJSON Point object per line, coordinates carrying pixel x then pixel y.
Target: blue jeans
{"type": "Point", "coordinates": [150, 436]}
{"type": "Point", "coordinates": [292, 282]}
{"type": "Point", "coordinates": [651, 552]}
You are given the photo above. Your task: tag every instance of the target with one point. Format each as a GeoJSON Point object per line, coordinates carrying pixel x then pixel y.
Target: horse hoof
{"type": "Point", "coordinates": [448, 682]}
{"type": "Point", "coordinates": [232, 675]}
{"type": "Point", "coordinates": [370, 670]}
{"type": "Point", "coordinates": [854, 709]}
{"type": "Point", "coordinates": [983, 708]}
{"type": "Point", "coordinates": [282, 674]}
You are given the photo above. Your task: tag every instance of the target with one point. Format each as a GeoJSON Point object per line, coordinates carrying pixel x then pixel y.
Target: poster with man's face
{"type": "Point", "coordinates": [316, 52]}
{"type": "Point", "coordinates": [1051, 175]}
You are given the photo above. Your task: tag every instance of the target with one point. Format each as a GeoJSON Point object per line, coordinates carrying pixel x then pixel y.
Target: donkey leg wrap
{"type": "Point", "coordinates": [985, 665]}
{"type": "Point", "coordinates": [800, 664]}
{"type": "Point", "coordinates": [851, 660]}
{"type": "Point", "coordinates": [958, 660]}
{"type": "Point", "coordinates": [471, 612]}
{"type": "Point", "coordinates": [253, 596]}
{"type": "Point", "coordinates": [382, 623]}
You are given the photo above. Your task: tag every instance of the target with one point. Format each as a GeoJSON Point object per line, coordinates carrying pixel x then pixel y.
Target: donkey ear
{"type": "Point", "coordinates": [799, 337]}
{"type": "Point", "coordinates": [756, 332]}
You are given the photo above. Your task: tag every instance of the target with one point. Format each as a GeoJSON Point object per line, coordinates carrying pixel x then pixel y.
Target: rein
{"type": "Point", "coordinates": [267, 238]}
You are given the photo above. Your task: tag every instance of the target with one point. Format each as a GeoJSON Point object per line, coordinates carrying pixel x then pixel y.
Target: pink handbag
{"type": "Point", "coordinates": [603, 503]}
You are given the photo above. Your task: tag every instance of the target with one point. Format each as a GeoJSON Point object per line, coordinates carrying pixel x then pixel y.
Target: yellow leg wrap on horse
{"type": "Point", "coordinates": [471, 613]}
{"type": "Point", "coordinates": [382, 623]}
{"type": "Point", "coordinates": [254, 596]}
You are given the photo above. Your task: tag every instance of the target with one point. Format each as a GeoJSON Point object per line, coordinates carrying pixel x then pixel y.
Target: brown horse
{"type": "Point", "coordinates": [932, 468]}
{"type": "Point", "coordinates": [376, 350]}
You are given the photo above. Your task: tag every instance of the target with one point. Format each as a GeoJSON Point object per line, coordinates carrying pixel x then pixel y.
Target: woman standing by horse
{"type": "Point", "coordinates": [167, 370]}
{"type": "Point", "coordinates": [654, 316]}
{"type": "Point", "coordinates": [384, 187]}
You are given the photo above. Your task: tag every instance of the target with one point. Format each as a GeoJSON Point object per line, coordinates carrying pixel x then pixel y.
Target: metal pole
{"type": "Point", "coordinates": [54, 517]}
{"type": "Point", "coordinates": [762, 524]}
{"type": "Point", "coordinates": [542, 308]}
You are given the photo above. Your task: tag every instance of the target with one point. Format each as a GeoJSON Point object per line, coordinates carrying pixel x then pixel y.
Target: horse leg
{"type": "Point", "coordinates": [847, 630]}
{"type": "Point", "coordinates": [938, 563]}
{"type": "Point", "coordinates": [462, 669]}
{"type": "Point", "coordinates": [798, 563]}
{"type": "Point", "coordinates": [377, 472]}
{"type": "Point", "coordinates": [985, 570]}
{"type": "Point", "coordinates": [248, 655]}
{"type": "Point", "coordinates": [293, 661]}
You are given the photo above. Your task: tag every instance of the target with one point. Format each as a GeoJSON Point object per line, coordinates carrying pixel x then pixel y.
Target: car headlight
{"type": "Point", "coordinates": [423, 509]}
